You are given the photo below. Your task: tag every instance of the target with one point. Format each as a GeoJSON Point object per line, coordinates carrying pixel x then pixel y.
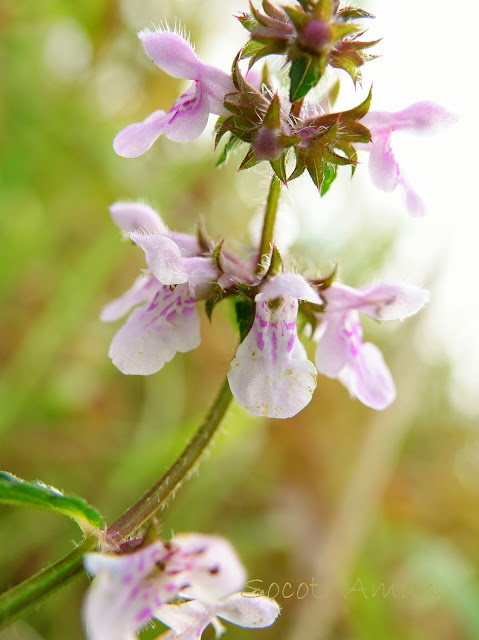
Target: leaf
{"type": "Point", "coordinates": [231, 144]}
{"type": "Point", "coordinates": [13, 490]}
{"type": "Point", "coordinates": [304, 75]}
{"type": "Point", "coordinates": [330, 173]}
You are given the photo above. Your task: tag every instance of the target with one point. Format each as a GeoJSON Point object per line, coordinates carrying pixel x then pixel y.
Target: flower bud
{"type": "Point", "coordinates": [316, 36]}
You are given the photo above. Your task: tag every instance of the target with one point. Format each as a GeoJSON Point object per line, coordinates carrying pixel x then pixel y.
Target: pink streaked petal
{"type": "Point", "coordinates": [248, 612]}
{"type": "Point", "coordinates": [333, 348]}
{"type": "Point", "coordinates": [154, 333]}
{"type": "Point", "coordinates": [271, 374]}
{"type": "Point", "coordinates": [188, 117]}
{"type": "Point", "coordinates": [383, 168]}
{"type": "Point", "coordinates": [420, 118]}
{"type": "Point", "coordinates": [368, 378]}
{"type": "Point", "coordinates": [172, 53]}
{"type": "Point", "coordinates": [134, 140]}
{"type": "Point", "coordinates": [391, 301]}
{"type": "Point", "coordinates": [288, 284]}
{"type": "Point", "coordinates": [216, 84]}
{"type": "Point", "coordinates": [216, 568]}
{"type": "Point", "coordinates": [163, 257]}
{"type": "Point", "coordinates": [137, 216]}
{"type": "Point", "coordinates": [143, 289]}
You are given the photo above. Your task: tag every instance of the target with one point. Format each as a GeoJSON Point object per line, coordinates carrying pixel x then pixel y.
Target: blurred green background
{"type": "Point", "coordinates": [339, 494]}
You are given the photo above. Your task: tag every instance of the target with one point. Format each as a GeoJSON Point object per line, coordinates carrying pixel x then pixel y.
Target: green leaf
{"type": "Point", "coordinates": [231, 144]}
{"type": "Point", "coordinates": [330, 173]}
{"type": "Point", "coordinates": [279, 167]}
{"type": "Point", "coordinates": [304, 75]}
{"type": "Point", "coordinates": [13, 490]}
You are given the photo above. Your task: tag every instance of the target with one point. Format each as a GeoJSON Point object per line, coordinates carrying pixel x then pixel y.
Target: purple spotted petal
{"type": "Point", "coordinates": [383, 301]}
{"type": "Point", "coordinates": [271, 374]}
{"type": "Point", "coordinates": [154, 333]}
{"type": "Point", "coordinates": [137, 138]}
{"type": "Point", "coordinates": [143, 289]}
{"type": "Point", "coordinates": [123, 599]}
{"type": "Point", "coordinates": [368, 378]}
{"type": "Point", "coordinates": [288, 284]}
{"type": "Point", "coordinates": [137, 216]}
{"type": "Point", "coordinates": [172, 53]}
{"type": "Point", "coordinates": [163, 257]}
{"type": "Point", "coordinates": [216, 570]}
{"type": "Point", "coordinates": [258, 612]}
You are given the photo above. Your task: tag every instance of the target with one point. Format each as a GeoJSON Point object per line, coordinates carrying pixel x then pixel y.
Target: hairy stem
{"type": "Point", "coordinates": [269, 220]}
{"type": "Point", "coordinates": [162, 490]}
{"type": "Point", "coordinates": [21, 599]}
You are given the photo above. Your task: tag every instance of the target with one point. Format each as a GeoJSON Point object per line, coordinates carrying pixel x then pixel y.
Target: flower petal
{"type": "Point", "coordinates": [201, 273]}
{"type": "Point", "coordinates": [367, 377]}
{"type": "Point", "coordinates": [216, 568]}
{"type": "Point", "coordinates": [137, 138]}
{"type": "Point", "coordinates": [414, 203]}
{"type": "Point", "coordinates": [271, 374]}
{"type": "Point", "coordinates": [137, 216]}
{"type": "Point", "coordinates": [154, 333]}
{"type": "Point", "coordinates": [333, 348]}
{"type": "Point", "coordinates": [216, 84]}
{"type": "Point", "coordinates": [288, 284]}
{"type": "Point", "coordinates": [163, 257]}
{"type": "Point", "coordinates": [383, 168]}
{"type": "Point", "coordinates": [172, 53]}
{"type": "Point", "coordinates": [188, 244]}
{"type": "Point", "coordinates": [419, 118]}
{"type": "Point", "coordinates": [188, 117]}
{"type": "Point", "coordinates": [383, 301]}
{"type": "Point", "coordinates": [248, 612]}
{"type": "Point", "coordinates": [143, 289]}
{"type": "Point", "coordinates": [121, 600]}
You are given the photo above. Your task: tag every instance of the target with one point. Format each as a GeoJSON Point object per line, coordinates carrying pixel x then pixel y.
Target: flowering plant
{"type": "Point", "coordinates": [280, 308]}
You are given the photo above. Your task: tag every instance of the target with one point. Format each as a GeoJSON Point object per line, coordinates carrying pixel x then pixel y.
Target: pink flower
{"type": "Point", "coordinates": [131, 589]}
{"type": "Point", "coordinates": [341, 352]}
{"type": "Point", "coordinates": [166, 320]}
{"type": "Point", "coordinates": [271, 374]}
{"type": "Point", "coordinates": [188, 116]}
{"type": "Point", "coordinates": [420, 118]}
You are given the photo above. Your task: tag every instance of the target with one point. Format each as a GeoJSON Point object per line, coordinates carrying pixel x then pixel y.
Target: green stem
{"type": "Point", "coordinates": [269, 220]}
{"type": "Point", "coordinates": [160, 492]}
{"type": "Point", "coordinates": [20, 600]}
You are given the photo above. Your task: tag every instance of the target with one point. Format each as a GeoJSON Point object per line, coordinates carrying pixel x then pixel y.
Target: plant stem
{"type": "Point", "coordinates": [162, 490]}
{"type": "Point", "coordinates": [269, 220]}
{"type": "Point", "coordinates": [20, 600]}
